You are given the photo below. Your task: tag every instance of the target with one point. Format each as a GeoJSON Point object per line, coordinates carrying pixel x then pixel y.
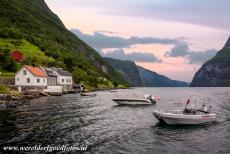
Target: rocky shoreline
{"type": "Point", "coordinates": [11, 101]}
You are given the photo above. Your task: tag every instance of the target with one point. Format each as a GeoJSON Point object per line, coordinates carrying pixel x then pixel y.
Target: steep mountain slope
{"type": "Point", "coordinates": [152, 79]}
{"type": "Point", "coordinates": [34, 22]}
{"type": "Point", "coordinates": [129, 71]}
{"type": "Point", "coordinates": [139, 76]}
{"type": "Point", "coordinates": [215, 72]}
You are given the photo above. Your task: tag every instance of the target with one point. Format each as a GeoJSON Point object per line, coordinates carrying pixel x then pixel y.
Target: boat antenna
{"type": "Point", "coordinates": [195, 105]}
{"type": "Point", "coordinates": [188, 101]}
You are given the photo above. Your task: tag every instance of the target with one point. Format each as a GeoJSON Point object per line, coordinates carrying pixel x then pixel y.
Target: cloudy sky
{"type": "Point", "coordinates": [171, 37]}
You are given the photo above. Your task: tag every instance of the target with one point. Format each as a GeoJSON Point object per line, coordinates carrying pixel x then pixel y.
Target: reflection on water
{"type": "Point", "coordinates": [108, 128]}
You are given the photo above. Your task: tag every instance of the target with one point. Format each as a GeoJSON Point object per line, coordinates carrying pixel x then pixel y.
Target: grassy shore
{"type": "Point", "coordinates": [8, 91]}
{"type": "Point", "coordinates": [6, 74]}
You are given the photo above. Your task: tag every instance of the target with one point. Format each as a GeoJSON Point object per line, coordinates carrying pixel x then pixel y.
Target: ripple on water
{"type": "Point", "coordinates": [108, 128]}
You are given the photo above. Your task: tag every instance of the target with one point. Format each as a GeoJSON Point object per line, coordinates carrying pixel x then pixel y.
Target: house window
{"type": "Point", "coordinates": [66, 80]}
{"type": "Point", "coordinates": [38, 80]}
{"type": "Point", "coordinates": [69, 80]}
{"type": "Point", "coordinates": [28, 80]}
{"type": "Point", "coordinates": [17, 79]}
{"type": "Point", "coordinates": [24, 72]}
{"type": "Point", "coordinates": [63, 80]}
{"type": "Point", "coordinates": [43, 80]}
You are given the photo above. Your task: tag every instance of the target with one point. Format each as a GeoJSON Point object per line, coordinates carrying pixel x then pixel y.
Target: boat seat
{"type": "Point", "coordinates": [206, 112]}
{"type": "Point", "coordinates": [189, 111]}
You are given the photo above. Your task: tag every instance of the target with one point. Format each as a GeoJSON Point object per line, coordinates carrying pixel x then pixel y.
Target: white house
{"type": "Point", "coordinates": [39, 78]}
{"type": "Point", "coordinates": [64, 79]}
{"type": "Point", "coordinates": [51, 76]}
{"type": "Point", "coordinates": [31, 77]}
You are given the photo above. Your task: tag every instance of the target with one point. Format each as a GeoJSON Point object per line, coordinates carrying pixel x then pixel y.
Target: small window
{"type": "Point", "coordinates": [28, 80]}
{"type": "Point", "coordinates": [17, 79]}
{"type": "Point", "coordinates": [62, 80]}
{"type": "Point", "coordinates": [38, 80]}
{"type": "Point", "coordinates": [66, 80]}
{"type": "Point", "coordinates": [24, 72]}
{"type": "Point", "coordinates": [43, 80]}
{"type": "Point", "coordinates": [69, 80]}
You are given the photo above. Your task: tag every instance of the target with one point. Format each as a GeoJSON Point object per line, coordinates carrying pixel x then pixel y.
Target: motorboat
{"type": "Point", "coordinates": [186, 116]}
{"type": "Point", "coordinates": [88, 94]}
{"type": "Point", "coordinates": [178, 117]}
{"type": "Point", "coordinates": [112, 90]}
{"type": "Point", "coordinates": [147, 100]}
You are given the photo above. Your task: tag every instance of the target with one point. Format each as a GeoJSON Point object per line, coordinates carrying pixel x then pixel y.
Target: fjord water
{"type": "Point", "coordinates": [107, 128]}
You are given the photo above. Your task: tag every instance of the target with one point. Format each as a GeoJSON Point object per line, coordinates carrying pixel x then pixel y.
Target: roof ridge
{"type": "Point", "coordinates": [36, 71]}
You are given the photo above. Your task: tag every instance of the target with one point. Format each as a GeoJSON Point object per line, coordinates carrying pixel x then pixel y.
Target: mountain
{"type": "Point", "coordinates": [139, 76]}
{"type": "Point", "coordinates": [128, 69]}
{"type": "Point", "coordinates": [153, 79]}
{"type": "Point", "coordinates": [30, 24]}
{"type": "Point", "coordinates": [216, 71]}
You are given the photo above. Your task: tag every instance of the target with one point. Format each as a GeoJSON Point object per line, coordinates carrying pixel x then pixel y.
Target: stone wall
{"type": "Point", "coordinates": [7, 81]}
{"type": "Point", "coordinates": [33, 88]}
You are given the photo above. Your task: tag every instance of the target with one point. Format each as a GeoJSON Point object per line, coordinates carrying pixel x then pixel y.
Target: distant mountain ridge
{"type": "Point", "coordinates": [153, 79]}
{"type": "Point", "coordinates": [128, 69]}
{"type": "Point", "coordinates": [138, 76]}
{"type": "Point", "coordinates": [216, 71]}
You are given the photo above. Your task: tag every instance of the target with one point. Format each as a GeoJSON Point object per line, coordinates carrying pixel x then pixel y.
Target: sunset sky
{"type": "Point", "coordinates": [170, 37]}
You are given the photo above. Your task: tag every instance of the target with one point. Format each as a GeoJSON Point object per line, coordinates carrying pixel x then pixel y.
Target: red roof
{"type": "Point", "coordinates": [36, 71]}
{"type": "Point", "coordinates": [17, 55]}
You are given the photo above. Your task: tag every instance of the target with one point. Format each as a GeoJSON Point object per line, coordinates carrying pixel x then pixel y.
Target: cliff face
{"type": "Point", "coordinates": [215, 72]}
{"type": "Point", "coordinates": [227, 44]}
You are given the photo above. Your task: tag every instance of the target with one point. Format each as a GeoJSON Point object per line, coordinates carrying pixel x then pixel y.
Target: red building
{"type": "Point", "coordinates": [17, 56]}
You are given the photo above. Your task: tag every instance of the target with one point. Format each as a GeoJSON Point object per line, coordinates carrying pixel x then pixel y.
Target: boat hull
{"type": "Point", "coordinates": [132, 102]}
{"type": "Point", "coordinates": [184, 119]}
{"type": "Point", "coordinates": [88, 94]}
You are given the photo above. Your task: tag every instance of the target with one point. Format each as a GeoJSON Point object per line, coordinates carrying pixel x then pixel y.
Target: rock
{"type": "Point", "coordinates": [2, 105]}
{"type": "Point", "coordinates": [10, 101]}
{"type": "Point", "coordinates": [215, 72]}
{"type": "Point", "coordinates": [227, 44]}
{"type": "Point", "coordinates": [3, 97]}
{"type": "Point", "coordinates": [30, 96]}
{"type": "Point", "coordinates": [11, 105]}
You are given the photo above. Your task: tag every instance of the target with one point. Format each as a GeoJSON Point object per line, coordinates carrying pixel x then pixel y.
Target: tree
{"type": "Point", "coordinates": [79, 75]}
{"type": "Point", "coordinates": [6, 61]}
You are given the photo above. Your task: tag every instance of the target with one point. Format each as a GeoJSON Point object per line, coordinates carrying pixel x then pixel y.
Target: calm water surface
{"type": "Point", "coordinates": [107, 128]}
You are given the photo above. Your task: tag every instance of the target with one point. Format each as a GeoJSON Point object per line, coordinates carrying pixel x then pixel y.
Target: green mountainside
{"type": "Point", "coordinates": [139, 76]}
{"type": "Point", "coordinates": [31, 27]}
{"type": "Point", "coordinates": [216, 71]}
{"type": "Point", "coordinates": [129, 71]}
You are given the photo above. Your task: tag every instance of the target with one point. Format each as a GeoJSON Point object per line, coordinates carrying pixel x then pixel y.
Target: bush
{"type": "Point", "coordinates": [7, 62]}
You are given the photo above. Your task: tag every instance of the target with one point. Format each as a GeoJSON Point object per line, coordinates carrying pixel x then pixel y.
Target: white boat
{"type": "Point", "coordinates": [87, 94]}
{"type": "Point", "coordinates": [112, 90]}
{"type": "Point", "coordinates": [178, 117]}
{"type": "Point", "coordinates": [135, 101]}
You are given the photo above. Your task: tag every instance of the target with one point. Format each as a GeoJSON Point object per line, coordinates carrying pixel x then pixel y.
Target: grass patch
{"type": "Point", "coordinates": [8, 91]}
{"type": "Point", "coordinates": [31, 52]}
{"type": "Point", "coordinates": [6, 74]}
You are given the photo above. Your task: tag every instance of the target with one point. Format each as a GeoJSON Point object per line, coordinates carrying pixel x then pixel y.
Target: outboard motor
{"type": "Point", "coordinates": [152, 99]}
